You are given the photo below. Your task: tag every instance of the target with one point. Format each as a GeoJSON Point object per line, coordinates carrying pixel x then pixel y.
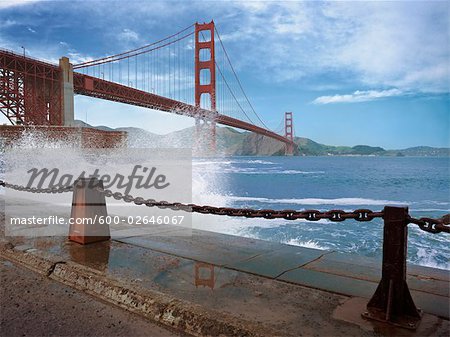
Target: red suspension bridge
{"type": "Point", "coordinates": [184, 73]}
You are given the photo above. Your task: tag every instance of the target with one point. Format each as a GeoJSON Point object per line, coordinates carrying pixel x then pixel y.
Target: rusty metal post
{"type": "Point", "coordinates": [392, 302]}
{"type": "Point", "coordinates": [88, 213]}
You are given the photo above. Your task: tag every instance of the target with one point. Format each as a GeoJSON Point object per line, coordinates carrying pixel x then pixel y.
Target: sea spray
{"type": "Point", "coordinates": [315, 182]}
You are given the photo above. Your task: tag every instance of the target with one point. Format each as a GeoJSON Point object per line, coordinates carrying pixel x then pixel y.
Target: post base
{"type": "Point", "coordinates": [406, 322]}
{"type": "Point", "coordinates": [84, 240]}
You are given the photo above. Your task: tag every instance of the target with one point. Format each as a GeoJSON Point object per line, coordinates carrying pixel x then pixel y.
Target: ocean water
{"type": "Point", "coordinates": [325, 183]}
{"type": "Point", "coordinates": [321, 183]}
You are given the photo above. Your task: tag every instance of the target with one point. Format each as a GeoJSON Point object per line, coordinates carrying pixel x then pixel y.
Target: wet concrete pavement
{"type": "Point", "coordinates": [33, 305]}
{"type": "Point", "coordinates": [287, 307]}
{"type": "Point", "coordinates": [294, 290]}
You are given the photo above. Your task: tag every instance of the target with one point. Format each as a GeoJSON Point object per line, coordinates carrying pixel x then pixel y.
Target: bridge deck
{"type": "Point", "coordinates": [96, 87]}
{"type": "Point", "coordinates": [99, 88]}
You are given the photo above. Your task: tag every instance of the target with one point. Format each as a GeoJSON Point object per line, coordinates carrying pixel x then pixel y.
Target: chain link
{"type": "Point", "coordinates": [426, 224]}
{"type": "Point", "coordinates": [54, 189]}
{"type": "Point", "coordinates": [310, 215]}
{"type": "Point", "coordinates": [432, 225]}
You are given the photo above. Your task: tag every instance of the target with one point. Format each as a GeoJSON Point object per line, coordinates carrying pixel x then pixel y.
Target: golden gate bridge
{"type": "Point", "coordinates": [184, 73]}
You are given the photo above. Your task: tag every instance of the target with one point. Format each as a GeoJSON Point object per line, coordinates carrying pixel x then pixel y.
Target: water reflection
{"type": "Point", "coordinates": [94, 255]}
{"type": "Point", "coordinates": [204, 275]}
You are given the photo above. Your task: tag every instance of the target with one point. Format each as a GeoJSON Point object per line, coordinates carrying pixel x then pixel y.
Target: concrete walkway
{"type": "Point", "coordinates": [346, 274]}
{"type": "Point", "coordinates": [244, 286]}
{"type": "Point", "coordinates": [33, 305]}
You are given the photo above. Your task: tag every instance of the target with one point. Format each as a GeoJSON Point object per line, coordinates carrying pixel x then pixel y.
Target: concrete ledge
{"type": "Point", "coordinates": [181, 315]}
{"type": "Point", "coordinates": [28, 260]}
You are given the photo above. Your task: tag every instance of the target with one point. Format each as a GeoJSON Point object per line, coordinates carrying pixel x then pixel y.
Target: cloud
{"type": "Point", "coordinates": [372, 44]}
{"type": "Point", "coordinates": [128, 35]}
{"type": "Point", "coordinates": [76, 58]}
{"type": "Point", "coordinates": [13, 3]}
{"type": "Point", "coordinates": [405, 45]}
{"type": "Point", "coordinates": [8, 23]}
{"type": "Point", "coordinates": [358, 96]}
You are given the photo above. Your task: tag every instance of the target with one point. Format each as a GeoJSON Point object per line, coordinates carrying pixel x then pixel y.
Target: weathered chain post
{"type": "Point", "coordinates": [88, 212]}
{"type": "Point", "coordinates": [392, 302]}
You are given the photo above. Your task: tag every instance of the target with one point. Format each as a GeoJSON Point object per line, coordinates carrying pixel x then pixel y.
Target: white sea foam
{"type": "Point", "coordinates": [301, 172]}
{"type": "Point", "coordinates": [426, 257]}
{"type": "Point", "coordinates": [211, 162]}
{"type": "Point", "coordinates": [272, 171]}
{"type": "Point", "coordinates": [307, 244]}
{"type": "Point", "coordinates": [226, 166]}
{"type": "Point", "coordinates": [429, 209]}
{"type": "Point", "coordinates": [240, 226]}
{"type": "Point", "coordinates": [318, 201]}
{"type": "Point", "coordinates": [434, 202]}
{"type": "Point", "coordinates": [258, 161]}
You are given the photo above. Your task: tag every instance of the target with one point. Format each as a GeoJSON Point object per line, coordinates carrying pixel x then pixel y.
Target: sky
{"type": "Point", "coordinates": [352, 72]}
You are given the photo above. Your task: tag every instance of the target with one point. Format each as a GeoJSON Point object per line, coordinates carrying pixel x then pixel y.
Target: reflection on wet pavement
{"type": "Point", "coordinates": [236, 275]}
{"type": "Point", "coordinates": [204, 275]}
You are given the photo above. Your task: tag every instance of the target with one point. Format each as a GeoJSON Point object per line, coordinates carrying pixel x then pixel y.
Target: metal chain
{"type": "Point", "coordinates": [310, 215]}
{"type": "Point", "coordinates": [432, 225]}
{"type": "Point", "coordinates": [54, 189]}
{"type": "Point", "coordinates": [426, 224]}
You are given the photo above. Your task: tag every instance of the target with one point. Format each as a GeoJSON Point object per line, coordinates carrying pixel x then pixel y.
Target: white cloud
{"type": "Point", "coordinates": [13, 3]}
{"type": "Point", "coordinates": [374, 44]}
{"type": "Point", "coordinates": [76, 57]}
{"type": "Point", "coordinates": [399, 44]}
{"type": "Point", "coordinates": [128, 35]}
{"type": "Point", "coordinates": [8, 23]}
{"type": "Point", "coordinates": [358, 96]}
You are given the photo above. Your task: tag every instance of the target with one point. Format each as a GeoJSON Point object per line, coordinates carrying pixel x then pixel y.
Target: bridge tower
{"type": "Point", "coordinates": [67, 92]}
{"type": "Point", "coordinates": [205, 62]}
{"type": "Point", "coordinates": [289, 133]}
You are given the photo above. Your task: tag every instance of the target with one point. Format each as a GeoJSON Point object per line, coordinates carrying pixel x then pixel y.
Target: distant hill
{"type": "Point", "coordinates": [422, 151]}
{"type": "Point", "coordinates": [235, 143]}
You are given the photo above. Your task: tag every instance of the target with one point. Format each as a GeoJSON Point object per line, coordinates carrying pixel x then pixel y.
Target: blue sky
{"type": "Point", "coordinates": [363, 72]}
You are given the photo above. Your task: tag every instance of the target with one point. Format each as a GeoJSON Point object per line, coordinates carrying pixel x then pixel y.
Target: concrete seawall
{"type": "Point", "coordinates": [76, 136]}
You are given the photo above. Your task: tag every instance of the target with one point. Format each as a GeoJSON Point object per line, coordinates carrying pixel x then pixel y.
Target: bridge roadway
{"type": "Point", "coordinates": [96, 87]}
{"type": "Point", "coordinates": [32, 69]}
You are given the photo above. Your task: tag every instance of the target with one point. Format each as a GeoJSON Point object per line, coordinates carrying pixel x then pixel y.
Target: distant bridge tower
{"type": "Point", "coordinates": [289, 133]}
{"type": "Point", "coordinates": [205, 68]}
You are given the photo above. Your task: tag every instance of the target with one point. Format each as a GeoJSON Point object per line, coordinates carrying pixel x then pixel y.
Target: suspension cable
{"type": "Point", "coordinates": [87, 63]}
{"type": "Point", "coordinates": [237, 78]}
{"type": "Point", "coordinates": [231, 91]}
{"type": "Point", "coordinates": [135, 54]}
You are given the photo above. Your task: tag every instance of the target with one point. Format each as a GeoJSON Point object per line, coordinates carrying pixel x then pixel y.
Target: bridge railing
{"type": "Point", "coordinates": [21, 55]}
{"type": "Point", "coordinates": [391, 303]}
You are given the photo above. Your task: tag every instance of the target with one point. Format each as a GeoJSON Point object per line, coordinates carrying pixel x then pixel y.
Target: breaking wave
{"type": "Point", "coordinates": [318, 201]}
